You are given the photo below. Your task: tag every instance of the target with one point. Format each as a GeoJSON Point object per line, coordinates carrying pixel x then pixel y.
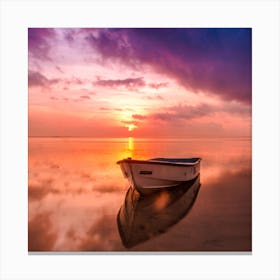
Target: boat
{"type": "Point", "coordinates": [152, 174]}
{"type": "Point", "coordinates": [141, 218]}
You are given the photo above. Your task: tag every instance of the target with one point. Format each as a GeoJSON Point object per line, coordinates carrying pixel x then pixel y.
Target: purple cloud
{"type": "Point", "coordinates": [36, 79]}
{"type": "Point", "coordinates": [213, 60]}
{"type": "Point", "coordinates": [130, 83]}
{"type": "Point", "coordinates": [39, 42]}
{"type": "Point", "coordinates": [69, 35]}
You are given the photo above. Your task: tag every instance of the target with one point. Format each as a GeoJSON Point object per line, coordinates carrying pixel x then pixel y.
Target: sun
{"type": "Point", "coordinates": [131, 127]}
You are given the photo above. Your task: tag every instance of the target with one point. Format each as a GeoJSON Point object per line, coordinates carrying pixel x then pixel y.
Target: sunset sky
{"type": "Point", "coordinates": [140, 82]}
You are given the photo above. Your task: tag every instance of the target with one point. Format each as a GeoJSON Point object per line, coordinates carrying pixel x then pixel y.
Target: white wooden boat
{"type": "Point", "coordinates": [141, 218]}
{"type": "Point", "coordinates": [159, 172]}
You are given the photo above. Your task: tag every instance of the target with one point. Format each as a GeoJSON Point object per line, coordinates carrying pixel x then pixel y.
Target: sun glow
{"type": "Point", "coordinates": [131, 127]}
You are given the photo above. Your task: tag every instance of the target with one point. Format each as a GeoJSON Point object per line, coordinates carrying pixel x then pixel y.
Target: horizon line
{"type": "Point", "coordinates": [184, 137]}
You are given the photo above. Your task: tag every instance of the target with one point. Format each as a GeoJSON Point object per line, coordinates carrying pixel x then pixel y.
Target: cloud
{"type": "Point", "coordinates": [85, 97]}
{"type": "Point", "coordinates": [158, 85]}
{"type": "Point", "coordinates": [129, 83]}
{"type": "Point", "coordinates": [109, 44]}
{"type": "Point", "coordinates": [39, 42]}
{"type": "Point", "coordinates": [138, 117]}
{"type": "Point", "coordinates": [110, 109]}
{"type": "Point", "coordinates": [69, 35]}
{"type": "Point", "coordinates": [74, 80]}
{"type": "Point", "coordinates": [236, 109]}
{"type": "Point", "coordinates": [189, 112]}
{"type": "Point", "coordinates": [156, 97]}
{"type": "Point", "coordinates": [136, 123]}
{"type": "Point", "coordinates": [59, 69]}
{"type": "Point", "coordinates": [36, 79]}
{"type": "Point", "coordinates": [41, 235]}
{"type": "Point", "coordinates": [213, 60]}
{"type": "Point", "coordinates": [184, 112]}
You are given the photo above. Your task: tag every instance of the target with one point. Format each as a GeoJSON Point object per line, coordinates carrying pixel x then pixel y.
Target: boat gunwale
{"type": "Point", "coordinates": [127, 160]}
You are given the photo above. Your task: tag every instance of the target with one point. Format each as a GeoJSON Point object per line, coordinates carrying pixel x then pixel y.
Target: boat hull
{"type": "Point", "coordinates": [145, 175]}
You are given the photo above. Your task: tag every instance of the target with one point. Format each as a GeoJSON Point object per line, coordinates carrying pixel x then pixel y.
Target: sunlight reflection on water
{"type": "Point", "coordinates": [76, 188]}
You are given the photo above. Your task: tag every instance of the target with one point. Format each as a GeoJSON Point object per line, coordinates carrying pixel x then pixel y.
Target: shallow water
{"type": "Point", "coordinates": [76, 190]}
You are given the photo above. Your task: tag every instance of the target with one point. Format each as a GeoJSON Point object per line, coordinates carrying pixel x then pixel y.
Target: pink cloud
{"type": "Point", "coordinates": [156, 97]}
{"type": "Point", "coordinates": [131, 122]}
{"type": "Point", "coordinates": [158, 85]}
{"type": "Point", "coordinates": [59, 69]}
{"type": "Point", "coordinates": [130, 83]}
{"type": "Point", "coordinates": [110, 109]}
{"type": "Point", "coordinates": [85, 97]}
{"type": "Point", "coordinates": [138, 117]}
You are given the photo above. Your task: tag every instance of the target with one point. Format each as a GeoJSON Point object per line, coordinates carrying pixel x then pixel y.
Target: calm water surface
{"type": "Point", "coordinates": [76, 190]}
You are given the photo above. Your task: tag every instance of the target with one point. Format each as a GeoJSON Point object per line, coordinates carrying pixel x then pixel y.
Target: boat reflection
{"type": "Point", "coordinates": [141, 218]}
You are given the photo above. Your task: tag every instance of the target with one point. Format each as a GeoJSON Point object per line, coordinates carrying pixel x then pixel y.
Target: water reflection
{"type": "Point", "coordinates": [130, 143]}
{"type": "Point", "coordinates": [75, 190]}
{"type": "Point", "coordinates": [41, 236]}
{"type": "Point", "coordinates": [142, 217]}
